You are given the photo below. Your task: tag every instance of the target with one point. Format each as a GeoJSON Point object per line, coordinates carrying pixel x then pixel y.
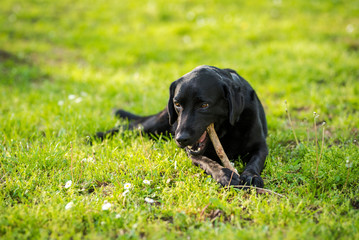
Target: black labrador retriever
{"type": "Point", "coordinates": [211, 95]}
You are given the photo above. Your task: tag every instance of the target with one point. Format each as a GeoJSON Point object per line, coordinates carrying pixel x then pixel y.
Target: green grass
{"type": "Point", "coordinates": [125, 54]}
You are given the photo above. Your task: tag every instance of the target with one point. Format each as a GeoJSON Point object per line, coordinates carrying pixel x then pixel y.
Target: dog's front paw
{"type": "Point", "coordinates": [99, 136]}
{"type": "Point", "coordinates": [228, 177]}
{"type": "Point", "coordinates": [251, 179]}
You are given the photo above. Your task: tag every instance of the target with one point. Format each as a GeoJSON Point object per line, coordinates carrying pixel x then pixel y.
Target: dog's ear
{"type": "Point", "coordinates": [172, 114]}
{"type": "Point", "coordinates": [235, 102]}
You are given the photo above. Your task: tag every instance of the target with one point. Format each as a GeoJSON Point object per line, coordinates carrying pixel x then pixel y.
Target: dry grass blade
{"type": "Point", "coordinates": [260, 190]}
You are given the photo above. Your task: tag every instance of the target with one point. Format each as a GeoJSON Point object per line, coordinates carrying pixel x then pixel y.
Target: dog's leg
{"type": "Point", "coordinates": [122, 114]}
{"type": "Point", "coordinates": [222, 175]}
{"type": "Point", "coordinates": [254, 167]}
{"type": "Point", "coordinates": [154, 125]}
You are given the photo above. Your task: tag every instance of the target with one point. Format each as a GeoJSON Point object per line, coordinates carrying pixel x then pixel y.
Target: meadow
{"type": "Point", "coordinates": [65, 65]}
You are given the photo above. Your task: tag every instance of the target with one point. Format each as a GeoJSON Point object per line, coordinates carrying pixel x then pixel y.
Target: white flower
{"type": "Point", "coordinates": [127, 186]}
{"type": "Point", "coordinates": [146, 182]}
{"type": "Point", "coordinates": [106, 206]}
{"type": "Point", "coordinates": [125, 193]}
{"type": "Point", "coordinates": [90, 160]}
{"type": "Point", "coordinates": [78, 100]}
{"type": "Point", "coordinates": [68, 184]}
{"type": "Point", "coordinates": [69, 205]}
{"type": "Point", "coordinates": [60, 103]}
{"type": "Point", "coordinates": [187, 39]}
{"type": "Point", "coordinates": [316, 115]}
{"type": "Point", "coordinates": [71, 97]}
{"type": "Point", "coordinates": [349, 28]}
{"type": "Point", "coordinates": [149, 200]}
{"type": "Point", "coordinates": [118, 215]}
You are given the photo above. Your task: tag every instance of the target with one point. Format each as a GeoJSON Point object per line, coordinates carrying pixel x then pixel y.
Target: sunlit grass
{"type": "Point", "coordinates": [65, 65]}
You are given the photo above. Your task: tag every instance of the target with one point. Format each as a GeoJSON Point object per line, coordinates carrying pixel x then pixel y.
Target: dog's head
{"type": "Point", "coordinates": [203, 96]}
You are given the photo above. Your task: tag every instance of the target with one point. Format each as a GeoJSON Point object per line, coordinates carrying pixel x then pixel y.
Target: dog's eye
{"type": "Point", "coordinates": [177, 104]}
{"type": "Point", "coordinates": [204, 105]}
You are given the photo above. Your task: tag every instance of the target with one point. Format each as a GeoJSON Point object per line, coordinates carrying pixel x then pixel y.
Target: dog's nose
{"type": "Point", "coordinates": [183, 139]}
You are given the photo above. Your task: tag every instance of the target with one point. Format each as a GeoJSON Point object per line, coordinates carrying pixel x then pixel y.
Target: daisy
{"type": "Point", "coordinates": [69, 205]}
{"type": "Point", "coordinates": [68, 184]}
{"type": "Point", "coordinates": [147, 182]}
{"type": "Point", "coordinates": [149, 200]}
{"type": "Point", "coordinates": [350, 28]}
{"type": "Point", "coordinates": [90, 160]}
{"type": "Point", "coordinates": [127, 185]}
{"type": "Point", "coordinates": [125, 193]}
{"type": "Point", "coordinates": [71, 97]}
{"type": "Point", "coordinates": [106, 205]}
{"type": "Point", "coordinates": [78, 100]}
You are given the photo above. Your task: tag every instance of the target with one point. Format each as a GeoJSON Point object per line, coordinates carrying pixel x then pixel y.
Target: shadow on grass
{"type": "Point", "coordinates": [18, 71]}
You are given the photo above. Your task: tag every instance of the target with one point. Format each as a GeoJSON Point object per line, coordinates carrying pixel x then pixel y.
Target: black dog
{"type": "Point", "coordinates": [211, 95]}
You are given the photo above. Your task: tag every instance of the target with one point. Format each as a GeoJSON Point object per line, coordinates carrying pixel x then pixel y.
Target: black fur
{"type": "Point", "coordinates": [211, 95]}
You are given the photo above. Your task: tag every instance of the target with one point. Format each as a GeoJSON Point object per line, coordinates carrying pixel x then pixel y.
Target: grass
{"type": "Point", "coordinates": [64, 65]}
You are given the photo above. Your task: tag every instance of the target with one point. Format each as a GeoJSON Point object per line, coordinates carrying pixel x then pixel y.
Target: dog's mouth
{"type": "Point", "coordinates": [199, 147]}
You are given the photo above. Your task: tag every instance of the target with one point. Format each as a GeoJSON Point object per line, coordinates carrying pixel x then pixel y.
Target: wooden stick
{"type": "Point", "coordinates": [226, 163]}
{"type": "Point", "coordinates": [218, 147]}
